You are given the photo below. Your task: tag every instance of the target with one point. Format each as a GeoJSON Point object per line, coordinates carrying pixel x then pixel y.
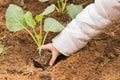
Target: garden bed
{"type": "Point", "coordinates": [99, 60]}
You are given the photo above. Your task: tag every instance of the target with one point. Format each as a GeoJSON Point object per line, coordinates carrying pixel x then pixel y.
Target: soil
{"type": "Point", "coordinates": [99, 60]}
{"type": "Point", "coordinates": [41, 60]}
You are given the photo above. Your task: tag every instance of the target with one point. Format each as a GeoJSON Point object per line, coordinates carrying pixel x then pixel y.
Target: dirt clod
{"type": "Point", "coordinates": [41, 60]}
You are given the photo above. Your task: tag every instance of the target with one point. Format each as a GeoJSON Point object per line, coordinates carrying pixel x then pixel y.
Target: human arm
{"type": "Point", "coordinates": [89, 23]}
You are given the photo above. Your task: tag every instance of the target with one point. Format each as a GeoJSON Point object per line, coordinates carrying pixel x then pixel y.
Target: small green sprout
{"type": "Point", "coordinates": [61, 5]}
{"type": "Point", "coordinates": [105, 61]}
{"type": "Point", "coordinates": [71, 9]}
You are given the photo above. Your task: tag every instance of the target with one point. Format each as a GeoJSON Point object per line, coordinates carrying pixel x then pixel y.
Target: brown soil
{"type": "Point", "coordinates": [41, 60]}
{"type": "Point", "coordinates": [99, 60]}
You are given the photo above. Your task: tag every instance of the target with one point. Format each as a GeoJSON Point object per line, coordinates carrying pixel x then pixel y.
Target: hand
{"type": "Point", "coordinates": [55, 52]}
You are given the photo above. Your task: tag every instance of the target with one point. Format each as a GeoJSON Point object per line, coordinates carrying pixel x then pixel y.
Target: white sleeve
{"type": "Point", "coordinates": [90, 22]}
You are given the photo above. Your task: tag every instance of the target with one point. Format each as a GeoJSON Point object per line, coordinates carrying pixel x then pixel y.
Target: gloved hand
{"type": "Point", "coordinates": [55, 52]}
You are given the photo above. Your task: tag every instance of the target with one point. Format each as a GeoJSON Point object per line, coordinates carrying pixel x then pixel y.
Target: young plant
{"type": "Point", "coordinates": [71, 9]}
{"type": "Point", "coordinates": [16, 20]}
{"type": "Point", "coordinates": [61, 5]}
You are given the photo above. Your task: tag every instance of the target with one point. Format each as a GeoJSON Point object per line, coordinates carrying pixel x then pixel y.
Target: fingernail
{"type": "Point", "coordinates": [50, 64]}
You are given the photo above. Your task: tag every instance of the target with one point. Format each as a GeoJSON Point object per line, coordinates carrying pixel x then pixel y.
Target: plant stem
{"type": "Point", "coordinates": [40, 32]}
{"type": "Point", "coordinates": [32, 36]}
{"type": "Point", "coordinates": [34, 31]}
{"type": "Point", "coordinates": [43, 41]}
{"type": "Point", "coordinates": [59, 7]}
{"type": "Point", "coordinates": [64, 5]}
{"type": "Point", "coordinates": [45, 37]}
{"type": "Point", "coordinates": [36, 36]}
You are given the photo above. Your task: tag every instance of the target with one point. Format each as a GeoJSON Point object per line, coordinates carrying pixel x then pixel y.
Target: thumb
{"type": "Point", "coordinates": [55, 52]}
{"type": "Point", "coordinates": [54, 57]}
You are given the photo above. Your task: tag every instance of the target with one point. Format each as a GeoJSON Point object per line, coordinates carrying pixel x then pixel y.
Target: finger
{"type": "Point", "coordinates": [45, 47]}
{"type": "Point", "coordinates": [54, 57]}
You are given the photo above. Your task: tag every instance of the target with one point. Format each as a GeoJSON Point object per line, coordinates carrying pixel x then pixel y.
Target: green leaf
{"type": "Point", "coordinates": [48, 10]}
{"type": "Point", "coordinates": [73, 10]}
{"type": "Point", "coordinates": [39, 18]}
{"type": "Point", "coordinates": [52, 25]}
{"type": "Point", "coordinates": [43, 0]}
{"type": "Point", "coordinates": [29, 19]}
{"type": "Point", "coordinates": [1, 50]}
{"type": "Point", "coordinates": [15, 18]}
